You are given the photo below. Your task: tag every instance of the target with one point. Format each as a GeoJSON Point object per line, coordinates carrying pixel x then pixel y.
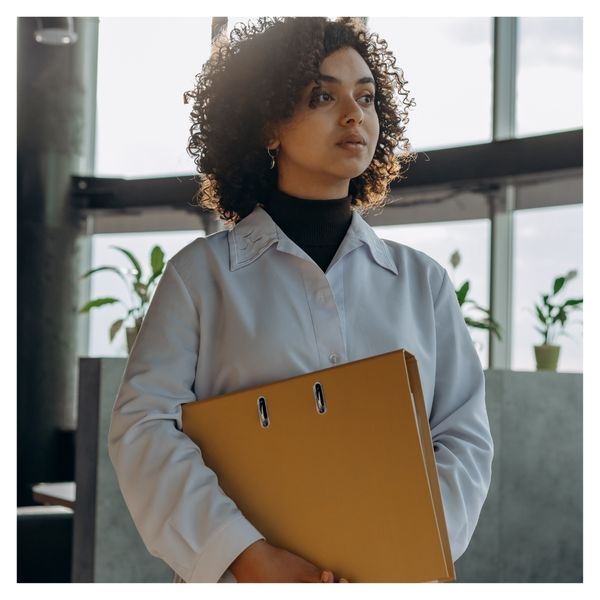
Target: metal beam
{"type": "Point", "coordinates": [466, 167]}
{"type": "Point", "coordinates": [87, 160]}
{"type": "Point", "coordinates": [496, 160]}
{"type": "Point", "coordinates": [502, 204]}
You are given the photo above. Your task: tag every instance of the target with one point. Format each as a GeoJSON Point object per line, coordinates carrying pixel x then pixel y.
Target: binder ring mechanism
{"type": "Point", "coordinates": [320, 403]}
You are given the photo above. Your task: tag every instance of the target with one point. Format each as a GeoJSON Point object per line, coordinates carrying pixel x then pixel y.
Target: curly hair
{"type": "Point", "coordinates": [254, 80]}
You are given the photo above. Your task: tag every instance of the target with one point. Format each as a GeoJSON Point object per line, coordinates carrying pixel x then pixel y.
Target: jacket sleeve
{"type": "Point", "coordinates": [459, 423]}
{"type": "Point", "coordinates": [175, 500]}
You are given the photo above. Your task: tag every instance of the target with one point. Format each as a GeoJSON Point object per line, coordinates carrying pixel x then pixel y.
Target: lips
{"type": "Point", "coordinates": [352, 147]}
{"type": "Point", "coordinates": [352, 142]}
{"type": "Point", "coordinates": [352, 138]}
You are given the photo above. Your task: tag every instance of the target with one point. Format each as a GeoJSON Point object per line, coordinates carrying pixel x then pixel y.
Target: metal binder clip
{"type": "Point", "coordinates": [319, 398]}
{"type": "Point", "coordinates": [262, 412]}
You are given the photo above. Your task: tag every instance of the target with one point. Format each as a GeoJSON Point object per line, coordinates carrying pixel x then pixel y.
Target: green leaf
{"type": "Point", "coordinates": [482, 309]}
{"type": "Point", "coordinates": [136, 265]}
{"type": "Point", "coordinates": [455, 259]}
{"type": "Point", "coordinates": [114, 328]}
{"type": "Point", "coordinates": [113, 269]}
{"type": "Point", "coordinates": [461, 294]}
{"type": "Point", "coordinates": [478, 324]}
{"type": "Point", "coordinates": [157, 260]}
{"type": "Point", "coordinates": [105, 268]}
{"type": "Point", "coordinates": [540, 314]}
{"type": "Point", "coordinates": [558, 284]}
{"type": "Point", "coordinates": [573, 302]}
{"type": "Point", "coordinates": [571, 275]}
{"type": "Point", "coordinates": [96, 303]}
{"type": "Point", "coordinates": [488, 324]}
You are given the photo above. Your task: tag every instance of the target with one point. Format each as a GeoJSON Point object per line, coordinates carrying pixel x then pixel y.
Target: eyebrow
{"type": "Point", "coordinates": [323, 77]}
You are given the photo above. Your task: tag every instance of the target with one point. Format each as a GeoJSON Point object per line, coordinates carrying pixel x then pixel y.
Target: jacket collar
{"type": "Point", "coordinates": [251, 237]}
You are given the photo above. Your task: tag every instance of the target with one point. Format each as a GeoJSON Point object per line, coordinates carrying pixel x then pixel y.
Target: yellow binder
{"type": "Point", "coordinates": [336, 466]}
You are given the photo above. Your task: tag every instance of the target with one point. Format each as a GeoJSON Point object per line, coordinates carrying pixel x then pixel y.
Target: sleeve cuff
{"type": "Point", "coordinates": [222, 549]}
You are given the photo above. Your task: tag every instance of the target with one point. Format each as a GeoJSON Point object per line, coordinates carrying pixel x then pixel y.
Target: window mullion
{"type": "Point", "coordinates": [502, 205]}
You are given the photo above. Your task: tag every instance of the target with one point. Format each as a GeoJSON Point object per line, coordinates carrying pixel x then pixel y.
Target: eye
{"type": "Point", "coordinates": [370, 98]}
{"type": "Point", "coordinates": [321, 94]}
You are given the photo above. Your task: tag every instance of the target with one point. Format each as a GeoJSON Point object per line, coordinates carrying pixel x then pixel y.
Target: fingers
{"type": "Point", "coordinates": [327, 577]}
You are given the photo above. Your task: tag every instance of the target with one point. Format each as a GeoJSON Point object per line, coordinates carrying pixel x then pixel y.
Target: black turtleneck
{"type": "Point", "coordinates": [317, 226]}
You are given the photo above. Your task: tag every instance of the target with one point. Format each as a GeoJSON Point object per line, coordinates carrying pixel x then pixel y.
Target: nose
{"type": "Point", "coordinates": [352, 111]}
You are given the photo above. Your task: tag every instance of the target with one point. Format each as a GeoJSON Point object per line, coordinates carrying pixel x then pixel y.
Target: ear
{"type": "Point", "coordinates": [273, 143]}
{"type": "Point", "coordinates": [272, 137]}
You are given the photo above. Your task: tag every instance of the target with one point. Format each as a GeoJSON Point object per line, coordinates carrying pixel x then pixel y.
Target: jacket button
{"type": "Point", "coordinates": [334, 357]}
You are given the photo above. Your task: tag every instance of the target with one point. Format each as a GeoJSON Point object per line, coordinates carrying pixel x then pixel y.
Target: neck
{"type": "Point", "coordinates": [314, 190]}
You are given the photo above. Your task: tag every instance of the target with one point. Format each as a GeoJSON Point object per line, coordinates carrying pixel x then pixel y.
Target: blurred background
{"type": "Point", "coordinates": [497, 185]}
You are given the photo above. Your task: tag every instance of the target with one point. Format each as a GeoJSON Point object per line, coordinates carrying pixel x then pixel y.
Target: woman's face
{"type": "Point", "coordinates": [314, 161]}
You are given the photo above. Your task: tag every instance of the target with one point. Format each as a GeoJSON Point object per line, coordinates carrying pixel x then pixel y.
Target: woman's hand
{"type": "Point", "coordinates": [263, 563]}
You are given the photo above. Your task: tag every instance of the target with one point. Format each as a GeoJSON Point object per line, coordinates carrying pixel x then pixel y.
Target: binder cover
{"type": "Point", "coordinates": [336, 466]}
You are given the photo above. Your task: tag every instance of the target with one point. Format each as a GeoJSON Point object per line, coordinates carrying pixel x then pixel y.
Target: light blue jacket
{"type": "Point", "coordinates": [247, 306]}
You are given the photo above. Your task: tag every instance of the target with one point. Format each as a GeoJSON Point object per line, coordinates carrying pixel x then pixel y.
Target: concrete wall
{"type": "Point", "coordinates": [530, 529]}
{"type": "Point", "coordinates": [106, 544]}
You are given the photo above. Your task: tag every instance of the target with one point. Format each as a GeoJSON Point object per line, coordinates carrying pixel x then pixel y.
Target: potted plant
{"type": "Point", "coordinates": [483, 322]}
{"type": "Point", "coordinates": [553, 317]}
{"type": "Point", "coordinates": [142, 292]}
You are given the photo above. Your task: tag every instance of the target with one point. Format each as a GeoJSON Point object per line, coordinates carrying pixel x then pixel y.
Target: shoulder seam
{"type": "Point", "coordinates": [444, 277]}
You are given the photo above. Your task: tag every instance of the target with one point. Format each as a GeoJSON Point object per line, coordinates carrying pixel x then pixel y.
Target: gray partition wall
{"type": "Point", "coordinates": [106, 544]}
{"type": "Point", "coordinates": [530, 528]}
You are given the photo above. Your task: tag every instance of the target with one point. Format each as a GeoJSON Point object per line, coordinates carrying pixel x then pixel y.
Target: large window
{"type": "Point", "coordinates": [440, 241]}
{"type": "Point", "coordinates": [144, 67]}
{"type": "Point", "coordinates": [548, 243]}
{"type": "Point", "coordinates": [447, 63]}
{"type": "Point", "coordinates": [549, 75]}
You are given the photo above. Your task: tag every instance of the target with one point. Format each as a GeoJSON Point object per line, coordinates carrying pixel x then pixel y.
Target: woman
{"type": "Point", "coordinates": [295, 124]}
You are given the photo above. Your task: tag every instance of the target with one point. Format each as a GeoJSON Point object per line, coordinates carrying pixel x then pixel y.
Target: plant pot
{"type": "Point", "coordinates": [131, 335]}
{"type": "Point", "coordinates": [546, 357]}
